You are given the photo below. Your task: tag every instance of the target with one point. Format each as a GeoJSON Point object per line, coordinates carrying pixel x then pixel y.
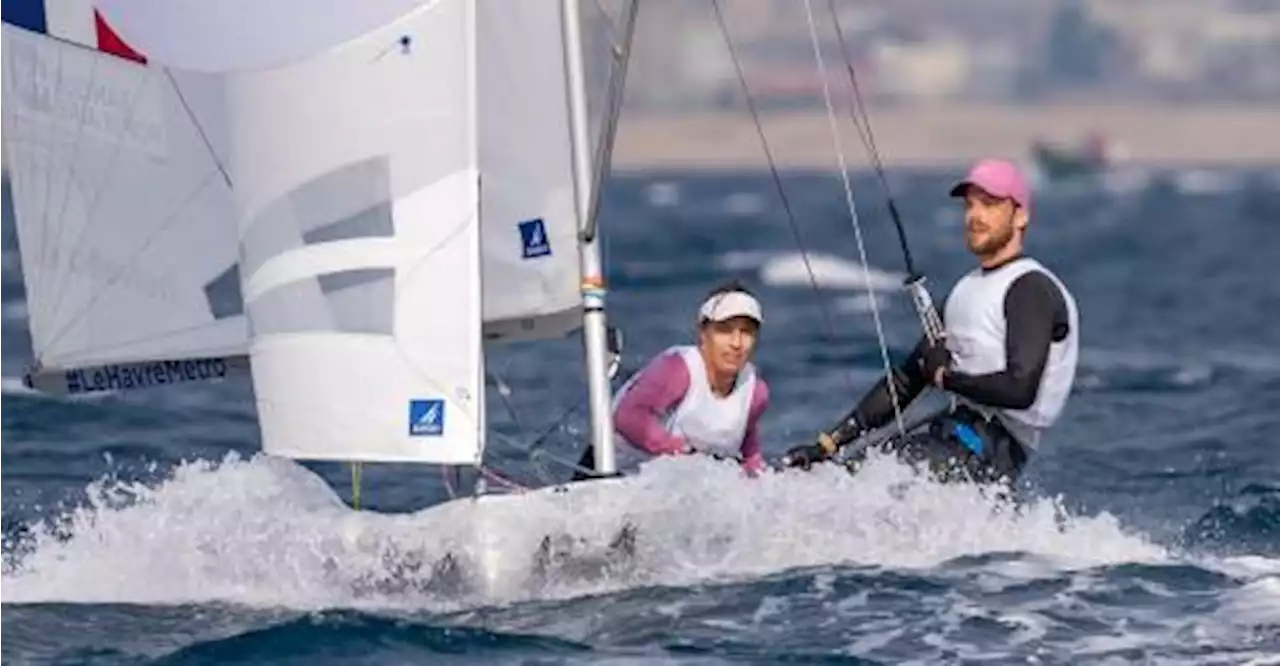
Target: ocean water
{"type": "Point", "coordinates": [146, 527]}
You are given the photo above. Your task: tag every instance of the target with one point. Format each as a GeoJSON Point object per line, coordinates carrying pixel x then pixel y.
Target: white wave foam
{"type": "Point", "coordinates": [1255, 603]}
{"type": "Point", "coordinates": [1245, 615]}
{"type": "Point", "coordinates": [662, 194]}
{"type": "Point", "coordinates": [267, 532]}
{"type": "Point", "coordinates": [860, 303]}
{"type": "Point", "coordinates": [14, 386]}
{"type": "Point", "coordinates": [1196, 367]}
{"type": "Point", "coordinates": [743, 203]}
{"type": "Point", "coordinates": [1206, 181]}
{"type": "Point", "coordinates": [744, 259]}
{"type": "Point", "coordinates": [828, 271]}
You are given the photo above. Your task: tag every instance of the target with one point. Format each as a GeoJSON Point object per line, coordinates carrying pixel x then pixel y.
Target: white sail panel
{"type": "Point", "coordinates": [226, 35]}
{"type": "Point", "coordinates": [355, 184]}
{"type": "Point", "coordinates": [125, 222]}
{"type": "Point", "coordinates": [607, 28]}
{"type": "Point", "coordinates": [528, 216]}
{"type": "Point", "coordinates": [529, 220]}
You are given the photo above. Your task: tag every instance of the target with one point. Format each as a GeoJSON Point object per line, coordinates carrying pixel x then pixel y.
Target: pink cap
{"type": "Point", "coordinates": [999, 178]}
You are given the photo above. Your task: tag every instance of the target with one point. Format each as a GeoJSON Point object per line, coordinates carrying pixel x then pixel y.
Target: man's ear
{"type": "Point", "coordinates": [1020, 218]}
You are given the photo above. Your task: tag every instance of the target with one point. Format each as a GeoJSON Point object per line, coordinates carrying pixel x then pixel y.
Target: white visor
{"type": "Point", "coordinates": [729, 305]}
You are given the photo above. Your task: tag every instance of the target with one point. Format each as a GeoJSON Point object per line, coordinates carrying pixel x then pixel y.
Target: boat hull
{"type": "Point", "coordinates": [503, 546]}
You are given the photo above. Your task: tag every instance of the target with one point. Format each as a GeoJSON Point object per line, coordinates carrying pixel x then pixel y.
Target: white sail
{"type": "Point", "coordinates": [606, 30]}
{"type": "Point", "coordinates": [229, 35]}
{"type": "Point", "coordinates": [124, 219]}
{"type": "Point", "coordinates": [530, 224]}
{"type": "Point", "coordinates": [383, 180]}
{"type": "Point", "coordinates": [353, 158]}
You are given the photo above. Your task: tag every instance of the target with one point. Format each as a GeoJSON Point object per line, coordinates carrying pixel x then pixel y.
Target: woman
{"type": "Point", "coordinates": [703, 398]}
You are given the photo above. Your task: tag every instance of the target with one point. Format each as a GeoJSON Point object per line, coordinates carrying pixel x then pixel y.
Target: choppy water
{"type": "Point", "coordinates": [143, 527]}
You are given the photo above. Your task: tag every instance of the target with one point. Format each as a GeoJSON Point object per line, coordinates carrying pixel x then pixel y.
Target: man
{"type": "Point", "coordinates": [1009, 355]}
{"type": "Point", "coordinates": [704, 398]}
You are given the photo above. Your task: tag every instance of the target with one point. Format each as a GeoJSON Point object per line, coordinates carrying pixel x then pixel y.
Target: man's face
{"type": "Point", "coordinates": [727, 345]}
{"type": "Point", "coordinates": [990, 222]}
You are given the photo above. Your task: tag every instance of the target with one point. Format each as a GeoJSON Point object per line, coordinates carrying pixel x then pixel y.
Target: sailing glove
{"type": "Point", "coordinates": [934, 357]}
{"type": "Point", "coordinates": [848, 430]}
{"type": "Point", "coordinates": [808, 454]}
{"type": "Point", "coordinates": [804, 455]}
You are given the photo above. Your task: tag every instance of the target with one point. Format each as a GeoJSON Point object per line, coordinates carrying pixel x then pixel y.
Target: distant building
{"type": "Point", "coordinates": [930, 70]}
{"type": "Point", "coordinates": [924, 51]}
{"type": "Point", "coordinates": [1199, 48]}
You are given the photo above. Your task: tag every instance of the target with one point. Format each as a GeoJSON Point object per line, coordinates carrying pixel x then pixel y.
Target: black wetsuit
{"type": "Point", "coordinates": [1036, 315]}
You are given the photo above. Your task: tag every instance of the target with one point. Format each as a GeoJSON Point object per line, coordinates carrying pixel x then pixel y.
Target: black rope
{"type": "Point", "coordinates": [869, 141]}
{"type": "Point", "coordinates": [773, 170]}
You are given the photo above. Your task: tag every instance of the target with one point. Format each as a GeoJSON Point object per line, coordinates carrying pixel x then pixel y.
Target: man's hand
{"type": "Point", "coordinates": [805, 455]}
{"type": "Point", "coordinates": [934, 362]}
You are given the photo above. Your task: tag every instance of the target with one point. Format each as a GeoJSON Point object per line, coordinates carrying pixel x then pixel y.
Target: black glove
{"type": "Point", "coordinates": [804, 455]}
{"type": "Point", "coordinates": [848, 430]}
{"type": "Point", "coordinates": [935, 356]}
{"type": "Point", "coordinates": [827, 444]}
{"type": "Point", "coordinates": [807, 454]}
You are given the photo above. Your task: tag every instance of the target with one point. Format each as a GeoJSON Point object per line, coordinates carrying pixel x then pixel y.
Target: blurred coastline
{"type": "Point", "coordinates": [1154, 134]}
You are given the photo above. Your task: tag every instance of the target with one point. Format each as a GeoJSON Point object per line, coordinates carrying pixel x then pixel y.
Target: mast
{"type": "Point", "coordinates": [593, 289]}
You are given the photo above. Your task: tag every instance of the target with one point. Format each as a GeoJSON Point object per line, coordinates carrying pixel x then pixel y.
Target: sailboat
{"type": "Point", "coordinates": [346, 201]}
{"type": "Point", "coordinates": [1091, 158]}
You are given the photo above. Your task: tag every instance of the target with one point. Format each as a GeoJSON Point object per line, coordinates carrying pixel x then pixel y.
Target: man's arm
{"type": "Point", "coordinates": [1035, 316]}
{"type": "Point", "coordinates": [752, 460]}
{"type": "Point", "coordinates": [875, 409]}
{"type": "Point", "coordinates": [877, 406]}
{"type": "Point", "coordinates": [657, 390]}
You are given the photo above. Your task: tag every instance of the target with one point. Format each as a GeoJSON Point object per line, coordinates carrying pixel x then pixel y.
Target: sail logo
{"type": "Point", "coordinates": [426, 418]}
{"type": "Point", "coordinates": [533, 238]}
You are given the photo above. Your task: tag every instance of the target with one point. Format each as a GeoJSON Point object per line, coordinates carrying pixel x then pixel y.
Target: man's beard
{"type": "Point", "coordinates": [995, 240]}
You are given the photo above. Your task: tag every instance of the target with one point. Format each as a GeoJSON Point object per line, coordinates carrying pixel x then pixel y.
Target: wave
{"type": "Point", "coordinates": [266, 532]}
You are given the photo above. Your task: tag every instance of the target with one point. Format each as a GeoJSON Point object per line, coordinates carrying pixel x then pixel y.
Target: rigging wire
{"type": "Point", "coordinates": [853, 217]}
{"type": "Point", "coordinates": [923, 302]}
{"type": "Point", "coordinates": [620, 55]}
{"type": "Point", "coordinates": [195, 122]}
{"type": "Point", "coordinates": [777, 179]}
{"type": "Point", "coordinates": [356, 468]}
{"type": "Point", "coordinates": [165, 223]}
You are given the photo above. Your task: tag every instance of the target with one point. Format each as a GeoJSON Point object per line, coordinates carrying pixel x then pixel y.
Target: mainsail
{"type": "Point", "coordinates": [352, 196]}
